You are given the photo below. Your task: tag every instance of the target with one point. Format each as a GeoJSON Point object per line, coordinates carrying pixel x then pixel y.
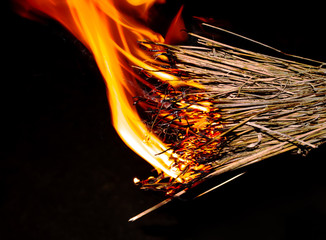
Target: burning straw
{"type": "Point", "coordinates": [230, 108]}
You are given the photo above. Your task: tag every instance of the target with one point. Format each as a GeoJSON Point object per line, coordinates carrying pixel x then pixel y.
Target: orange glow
{"type": "Point", "coordinates": [177, 33]}
{"type": "Point", "coordinates": [111, 30]}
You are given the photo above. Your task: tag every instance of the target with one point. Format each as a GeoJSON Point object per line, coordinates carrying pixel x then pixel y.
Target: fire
{"type": "Point", "coordinates": [112, 29]}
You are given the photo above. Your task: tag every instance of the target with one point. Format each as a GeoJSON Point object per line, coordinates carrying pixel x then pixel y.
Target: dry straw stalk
{"type": "Point", "coordinates": [232, 108]}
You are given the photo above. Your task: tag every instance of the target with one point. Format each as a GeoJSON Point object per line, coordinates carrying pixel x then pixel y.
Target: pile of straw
{"type": "Point", "coordinates": [230, 108]}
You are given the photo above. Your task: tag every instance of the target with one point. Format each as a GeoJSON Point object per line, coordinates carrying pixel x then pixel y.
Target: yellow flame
{"type": "Point", "coordinates": [109, 29]}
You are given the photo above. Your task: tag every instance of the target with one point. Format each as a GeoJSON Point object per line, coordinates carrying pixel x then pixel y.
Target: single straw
{"type": "Point", "coordinates": [149, 210]}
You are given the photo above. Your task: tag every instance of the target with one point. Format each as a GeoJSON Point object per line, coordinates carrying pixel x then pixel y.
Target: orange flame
{"type": "Point", "coordinates": [111, 29]}
{"type": "Point", "coordinates": [176, 33]}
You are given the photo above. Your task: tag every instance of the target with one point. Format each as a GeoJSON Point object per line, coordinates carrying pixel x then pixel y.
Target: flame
{"type": "Point", "coordinates": [176, 33]}
{"type": "Point", "coordinates": [111, 29]}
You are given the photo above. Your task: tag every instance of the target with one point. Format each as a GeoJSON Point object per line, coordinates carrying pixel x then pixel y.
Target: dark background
{"type": "Point", "coordinates": [66, 174]}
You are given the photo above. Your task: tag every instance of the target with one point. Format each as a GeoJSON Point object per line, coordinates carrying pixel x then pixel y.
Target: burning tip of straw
{"type": "Point", "coordinates": [136, 180]}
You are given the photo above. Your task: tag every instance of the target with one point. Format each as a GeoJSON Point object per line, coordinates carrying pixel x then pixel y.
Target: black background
{"type": "Point", "coordinates": [66, 174]}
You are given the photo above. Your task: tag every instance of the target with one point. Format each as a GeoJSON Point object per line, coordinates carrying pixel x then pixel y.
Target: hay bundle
{"type": "Point", "coordinates": [230, 108]}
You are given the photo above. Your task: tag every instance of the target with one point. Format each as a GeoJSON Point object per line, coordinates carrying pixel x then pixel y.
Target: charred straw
{"type": "Point", "coordinates": [230, 107]}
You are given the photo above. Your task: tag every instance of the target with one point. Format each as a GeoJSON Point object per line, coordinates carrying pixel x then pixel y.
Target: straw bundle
{"type": "Point", "coordinates": [230, 108]}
